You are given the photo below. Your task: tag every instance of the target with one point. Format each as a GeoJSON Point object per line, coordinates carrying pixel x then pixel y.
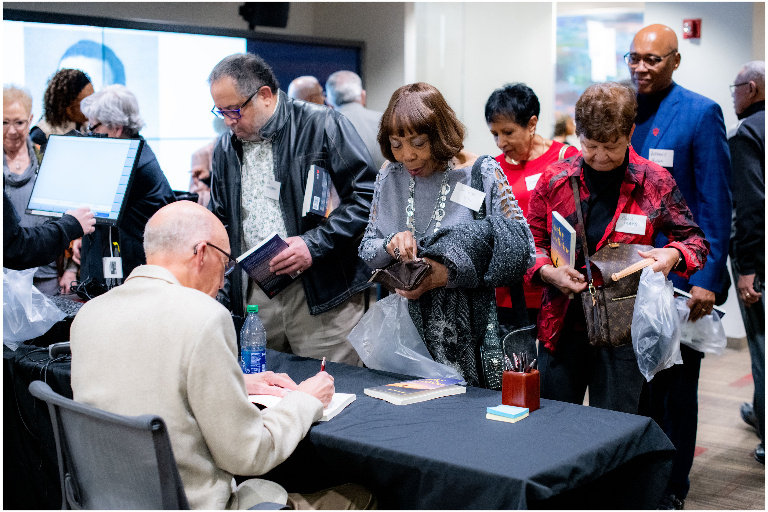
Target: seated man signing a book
{"type": "Point", "coordinates": [259, 179]}
{"type": "Point", "coordinates": [161, 344]}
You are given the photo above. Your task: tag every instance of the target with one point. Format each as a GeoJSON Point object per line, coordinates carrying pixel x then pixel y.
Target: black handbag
{"type": "Point", "coordinates": [609, 301]}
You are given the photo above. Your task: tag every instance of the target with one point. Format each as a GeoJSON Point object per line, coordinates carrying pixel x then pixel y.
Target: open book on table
{"type": "Point", "coordinates": [338, 403]}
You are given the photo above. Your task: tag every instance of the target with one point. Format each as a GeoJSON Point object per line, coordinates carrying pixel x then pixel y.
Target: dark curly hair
{"type": "Point", "coordinates": [605, 112]}
{"type": "Point", "coordinates": [63, 88]}
{"type": "Point", "coordinates": [420, 108]}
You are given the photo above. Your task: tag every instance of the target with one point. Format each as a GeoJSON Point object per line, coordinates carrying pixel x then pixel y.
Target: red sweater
{"type": "Point", "coordinates": [522, 178]}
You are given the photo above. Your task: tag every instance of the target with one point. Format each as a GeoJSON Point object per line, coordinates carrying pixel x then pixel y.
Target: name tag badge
{"type": "Point", "coordinates": [631, 223]}
{"type": "Point", "coordinates": [468, 196]}
{"type": "Point", "coordinates": [531, 181]}
{"type": "Point", "coordinates": [663, 157]}
{"type": "Point", "coordinates": [272, 190]}
{"type": "Point", "coordinates": [113, 268]}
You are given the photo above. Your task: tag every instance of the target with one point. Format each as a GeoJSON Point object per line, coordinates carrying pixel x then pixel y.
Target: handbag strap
{"type": "Point", "coordinates": [583, 232]}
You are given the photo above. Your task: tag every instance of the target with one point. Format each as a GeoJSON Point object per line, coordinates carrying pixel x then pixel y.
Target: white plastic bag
{"type": "Point", "coordinates": [705, 334]}
{"type": "Point", "coordinates": [386, 339]}
{"type": "Point", "coordinates": [27, 313]}
{"type": "Point", "coordinates": [655, 325]}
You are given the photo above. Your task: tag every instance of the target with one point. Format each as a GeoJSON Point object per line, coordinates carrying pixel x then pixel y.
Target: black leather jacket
{"type": "Point", "coordinates": [304, 134]}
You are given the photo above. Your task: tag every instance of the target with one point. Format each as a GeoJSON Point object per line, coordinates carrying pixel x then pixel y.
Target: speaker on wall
{"type": "Point", "coordinates": [265, 14]}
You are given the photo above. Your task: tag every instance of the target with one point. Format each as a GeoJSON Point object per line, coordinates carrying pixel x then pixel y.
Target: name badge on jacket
{"type": "Point", "coordinates": [272, 190]}
{"type": "Point", "coordinates": [631, 223]}
{"type": "Point", "coordinates": [468, 196]}
{"type": "Point", "coordinates": [663, 157]}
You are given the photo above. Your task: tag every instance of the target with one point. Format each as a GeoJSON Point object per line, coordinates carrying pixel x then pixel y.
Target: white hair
{"type": "Point", "coordinates": [177, 234]}
{"type": "Point", "coordinates": [343, 87]}
{"type": "Point", "coordinates": [754, 71]}
{"type": "Point", "coordinates": [114, 106]}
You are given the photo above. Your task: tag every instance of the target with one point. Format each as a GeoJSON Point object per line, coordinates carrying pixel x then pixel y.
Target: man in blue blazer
{"type": "Point", "coordinates": [684, 132]}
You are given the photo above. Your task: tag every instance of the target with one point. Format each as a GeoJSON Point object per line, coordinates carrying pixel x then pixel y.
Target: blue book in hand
{"type": "Point", "coordinates": [563, 242]}
{"type": "Point", "coordinates": [256, 264]}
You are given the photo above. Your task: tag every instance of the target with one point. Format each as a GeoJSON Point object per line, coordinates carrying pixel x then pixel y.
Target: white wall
{"type": "Point", "coordinates": [467, 50]}
{"type": "Point", "coordinates": [711, 63]}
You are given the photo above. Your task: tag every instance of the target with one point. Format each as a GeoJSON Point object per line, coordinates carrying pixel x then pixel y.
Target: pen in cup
{"type": "Point", "coordinates": [322, 365]}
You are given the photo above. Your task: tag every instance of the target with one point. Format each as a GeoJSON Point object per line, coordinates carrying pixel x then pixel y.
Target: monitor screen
{"type": "Point", "coordinates": [85, 171]}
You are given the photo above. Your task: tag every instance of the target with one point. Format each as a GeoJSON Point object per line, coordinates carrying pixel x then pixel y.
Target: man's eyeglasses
{"type": "Point", "coordinates": [92, 128]}
{"type": "Point", "coordinates": [651, 61]}
{"type": "Point", "coordinates": [734, 86]}
{"type": "Point", "coordinates": [234, 113]}
{"type": "Point", "coordinates": [231, 262]}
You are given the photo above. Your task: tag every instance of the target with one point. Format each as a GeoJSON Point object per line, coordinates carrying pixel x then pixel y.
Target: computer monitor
{"type": "Point", "coordinates": [85, 171]}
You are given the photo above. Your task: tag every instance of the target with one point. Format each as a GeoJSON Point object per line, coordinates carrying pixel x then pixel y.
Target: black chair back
{"type": "Point", "coordinates": [109, 461]}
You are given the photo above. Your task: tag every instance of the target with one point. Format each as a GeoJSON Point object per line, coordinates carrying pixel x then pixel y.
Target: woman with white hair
{"type": "Point", "coordinates": [114, 112]}
{"type": "Point", "coordinates": [21, 158]}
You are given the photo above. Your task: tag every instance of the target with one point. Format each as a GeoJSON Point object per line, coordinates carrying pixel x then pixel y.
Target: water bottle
{"type": "Point", "coordinates": [253, 343]}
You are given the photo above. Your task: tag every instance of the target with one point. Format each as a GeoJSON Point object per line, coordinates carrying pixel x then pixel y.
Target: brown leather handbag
{"type": "Point", "coordinates": [401, 274]}
{"type": "Point", "coordinates": [609, 301]}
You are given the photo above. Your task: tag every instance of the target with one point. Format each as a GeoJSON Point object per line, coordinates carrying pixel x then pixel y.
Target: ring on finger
{"type": "Point", "coordinates": [397, 253]}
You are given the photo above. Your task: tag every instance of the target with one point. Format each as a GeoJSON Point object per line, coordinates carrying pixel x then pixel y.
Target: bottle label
{"type": "Point", "coordinates": [253, 361]}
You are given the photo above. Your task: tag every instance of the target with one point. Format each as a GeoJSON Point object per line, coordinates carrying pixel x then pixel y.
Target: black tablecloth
{"type": "Point", "coordinates": [439, 454]}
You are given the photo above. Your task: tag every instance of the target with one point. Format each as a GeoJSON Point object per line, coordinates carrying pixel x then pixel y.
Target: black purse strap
{"type": "Point", "coordinates": [583, 232]}
{"type": "Point", "coordinates": [477, 184]}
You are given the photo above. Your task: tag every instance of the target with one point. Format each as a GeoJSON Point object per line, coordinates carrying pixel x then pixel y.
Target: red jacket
{"type": "Point", "coordinates": [648, 190]}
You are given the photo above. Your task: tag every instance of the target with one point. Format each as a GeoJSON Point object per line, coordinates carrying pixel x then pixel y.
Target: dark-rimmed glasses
{"type": "Point", "coordinates": [651, 61]}
{"type": "Point", "coordinates": [234, 113]}
{"type": "Point", "coordinates": [91, 128]}
{"type": "Point", "coordinates": [231, 262]}
{"type": "Point", "coordinates": [734, 86]}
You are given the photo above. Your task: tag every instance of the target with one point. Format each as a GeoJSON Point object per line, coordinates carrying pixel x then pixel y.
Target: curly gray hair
{"type": "Point", "coordinates": [114, 106]}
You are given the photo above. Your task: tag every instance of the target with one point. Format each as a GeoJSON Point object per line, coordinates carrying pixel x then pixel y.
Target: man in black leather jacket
{"type": "Point", "coordinates": [259, 174]}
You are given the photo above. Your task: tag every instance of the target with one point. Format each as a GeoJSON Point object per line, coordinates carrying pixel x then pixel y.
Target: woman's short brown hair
{"type": "Point", "coordinates": [420, 108]}
{"type": "Point", "coordinates": [605, 111]}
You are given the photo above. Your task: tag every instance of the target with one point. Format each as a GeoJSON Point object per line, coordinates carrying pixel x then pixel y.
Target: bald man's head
{"type": "Point", "coordinates": [306, 88]}
{"type": "Point", "coordinates": [179, 238]}
{"type": "Point", "coordinates": [653, 58]}
{"type": "Point", "coordinates": [175, 229]}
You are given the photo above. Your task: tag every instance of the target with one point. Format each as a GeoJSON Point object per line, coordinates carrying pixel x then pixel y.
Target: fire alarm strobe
{"type": "Point", "coordinates": [692, 29]}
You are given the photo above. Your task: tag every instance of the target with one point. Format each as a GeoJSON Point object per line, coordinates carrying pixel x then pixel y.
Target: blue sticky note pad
{"type": "Point", "coordinates": [508, 411]}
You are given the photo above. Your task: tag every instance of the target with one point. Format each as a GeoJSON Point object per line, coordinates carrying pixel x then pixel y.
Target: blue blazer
{"type": "Point", "coordinates": [693, 127]}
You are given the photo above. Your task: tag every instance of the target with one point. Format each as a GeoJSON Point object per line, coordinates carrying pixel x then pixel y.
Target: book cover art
{"type": "Point", "coordinates": [563, 242]}
{"type": "Point", "coordinates": [256, 264]}
{"type": "Point", "coordinates": [412, 391]}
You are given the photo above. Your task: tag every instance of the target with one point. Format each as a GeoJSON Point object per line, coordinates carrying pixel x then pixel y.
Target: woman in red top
{"type": "Point", "coordinates": [512, 113]}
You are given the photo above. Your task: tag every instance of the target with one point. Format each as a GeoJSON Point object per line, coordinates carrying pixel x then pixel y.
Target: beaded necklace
{"type": "Point", "coordinates": [439, 211]}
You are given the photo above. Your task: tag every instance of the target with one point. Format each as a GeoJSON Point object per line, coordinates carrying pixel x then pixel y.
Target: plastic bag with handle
{"type": "Point", "coordinates": [655, 325]}
{"type": "Point", "coordinates": [386, 339]}
{"type": "Point", "coordinates": [27, 312]}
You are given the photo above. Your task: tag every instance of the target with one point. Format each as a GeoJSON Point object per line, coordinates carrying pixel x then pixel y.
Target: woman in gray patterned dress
{"type": "Point", "coordinates": [427, 205]}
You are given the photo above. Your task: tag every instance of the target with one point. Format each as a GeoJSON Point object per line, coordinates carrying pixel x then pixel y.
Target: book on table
{"type": "Point", "coordinates": [563, 242]}
{"type": "Point", "coordinates": [338, 402]}
{"type": "Point", "coordinates": [508, 413]}
{"type": "Point", "coordinates": [413, 391]}
{"type": "Point", "coordinates": [256, 264]}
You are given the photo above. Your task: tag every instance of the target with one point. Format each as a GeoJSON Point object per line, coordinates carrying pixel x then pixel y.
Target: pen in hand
{"type": "Point", "coordinates": [322, 365]}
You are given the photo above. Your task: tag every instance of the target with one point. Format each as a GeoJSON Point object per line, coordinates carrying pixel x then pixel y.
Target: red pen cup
{"type": "Point", "coordinates": [521, 389]}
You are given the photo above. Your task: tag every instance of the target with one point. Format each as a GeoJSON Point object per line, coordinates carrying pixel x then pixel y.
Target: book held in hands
{"type": "Point", "coordinates": [413, 391]}
{"type": "Point", "coordinates": [256, 264]}
{"type": "Point", "coordinates": [563, 246]}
